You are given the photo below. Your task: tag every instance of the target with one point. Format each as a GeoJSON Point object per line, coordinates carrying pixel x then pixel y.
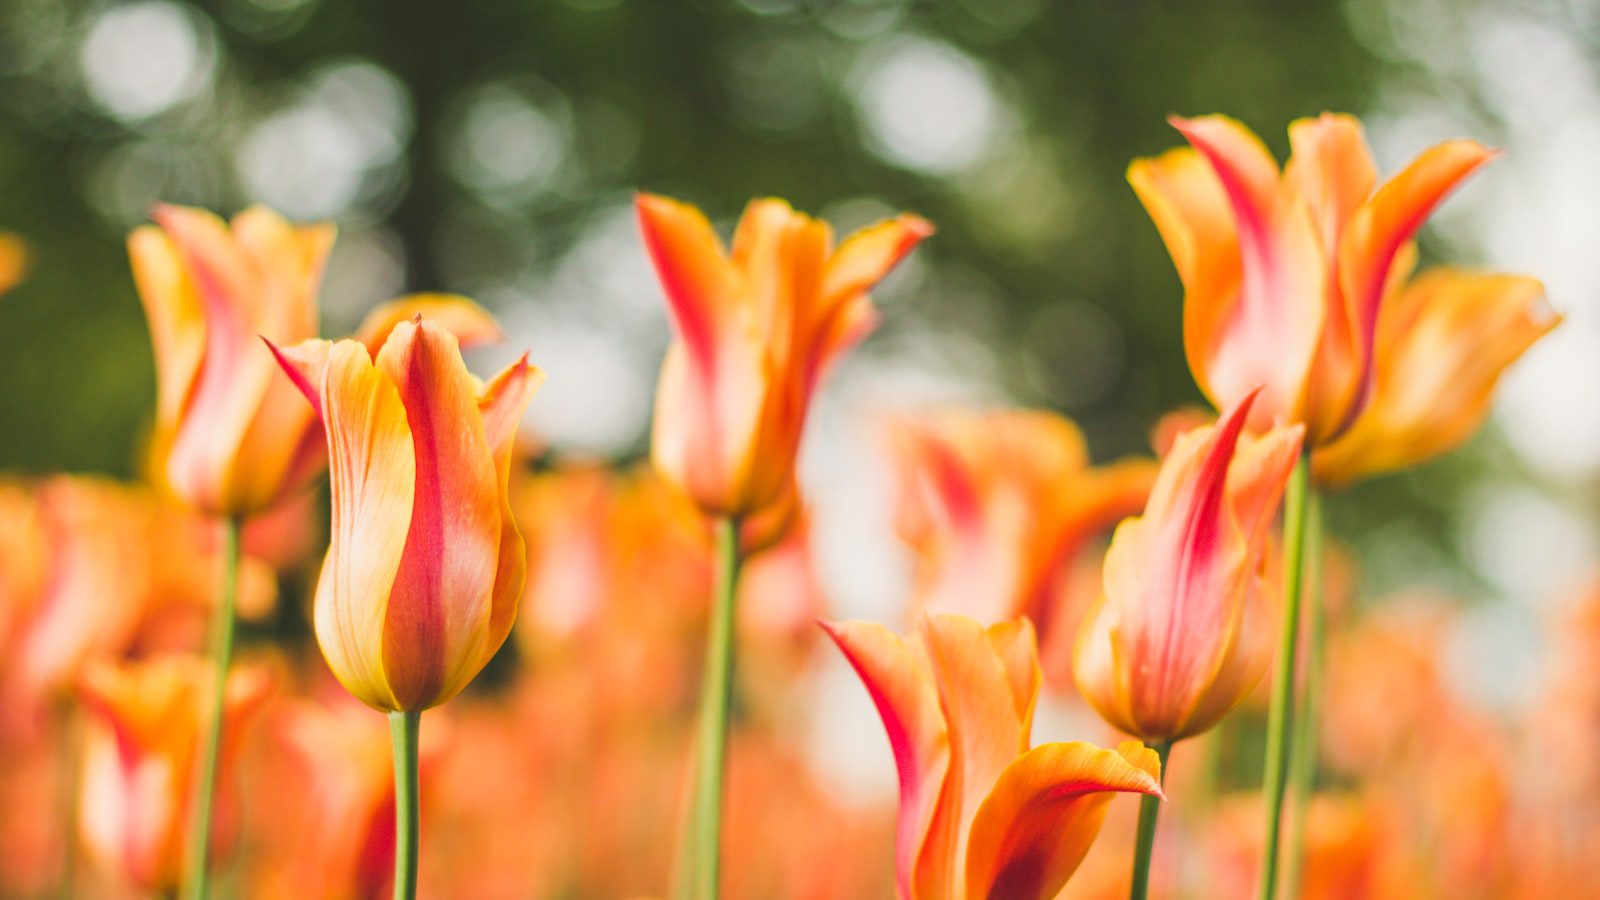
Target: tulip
{"type": "Point", "coordinates": [1185, 626]}
{"type": "Point", "coordinates": [425, 563]}
{"type": "Point", "coordinates": [1284, 272]}
{"type": "Point", "coordinates": [13, 261]}
{"type": "Point", "coordinates": [998, 506]}
{"type": "Point", "coordinates": [138, 768]}
{"type": "Point", "coordinates": [981, 814]}
{"type": "Point", "coordinates": [233, 435]}
{"type": "Point", "coordinates": [1442, 344]}
{"type": "Point", "coordinates": [757, 327]}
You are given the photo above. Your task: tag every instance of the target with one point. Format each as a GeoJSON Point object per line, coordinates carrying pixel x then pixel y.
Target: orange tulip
{"type": "Point", "coordinates": [231, 436]}
{"type": "Point", "coordinates": [998, 505]}
{"type": "Point", "coordinates": [13, 261]}
{"type": "Point", "coordinates": [1284, 272]}
{"type": "Point", "coordinates": [1186, 625]}
{"type": "Point", "coordinates": [232, 433]}
{"type": "Point", "coordinates": [138, 766]}
{"type": "Point", "coordinates": [756, 329]}
{"type": "Point", "coordinates": [1442, 344]}
{"type": "Point", "coordinates": [982, 815]}
{"type": "Point", "coordinates": [424, 562]}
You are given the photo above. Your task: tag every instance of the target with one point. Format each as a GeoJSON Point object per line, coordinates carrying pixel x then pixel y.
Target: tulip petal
{"type": "Point", "coordinates": [1269, 338]}
{"type": "Point", "coordinates": [306, 363]}
{"type": "Point", "coordinates": [701, 287]}
{"type": "Point", "coordinates": [438, 614]}
{"type": "Point", "coordinates": [177, 323]}
{"type": "Point", "coordinates": [864, 258]}
{"type": "Point", "coordinates": [470, 323]}
{"type": "Point", "coordinates": [897, 676]}
{"type": "Point", "coordinates": [1441, 348]}
{"type": "Point", "coordinates": [13, 261]}
{"type": "Point", "coordinates": [1383, 225]}
{"type": "Point", "coordinates": [502, 405]}
{"type": "Point", "coordinates": [1332, 169]}
{"type": "Point", "coordinates": [1045, 811]}
{"type": "Point", "coordinates": [373, 473]}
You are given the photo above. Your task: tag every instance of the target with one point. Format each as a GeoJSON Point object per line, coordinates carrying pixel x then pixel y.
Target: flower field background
{"type": "Point", "coordinates": [1025, 389]}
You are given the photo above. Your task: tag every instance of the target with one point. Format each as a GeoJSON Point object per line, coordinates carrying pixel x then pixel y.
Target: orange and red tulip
{"type": "Point", "coordinates": [981, 814]}
{"type": "Point", "coordinates": [1442, 344]}
{"type": "Point", "coordinates": [231, 433]}
{"type": "Point", "coordinates": [998, 505]}
{"type": "Point", "coordinates": [1186, 625]}
{"type": "Point", "coordinates": [425, 563]}
{"type": "Point", "coordinates": [757, 325]}
{"type": "Point", "coordinates": [138, 767]}
{"type": "Point", "coordinates": [1284, 272]}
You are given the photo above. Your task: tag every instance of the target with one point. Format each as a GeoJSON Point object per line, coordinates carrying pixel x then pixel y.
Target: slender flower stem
{"type": "Point", "coordinates": [222, 655]}
{"type": "Point", "coordinates": [1144, 848]}
{"type": "Point", "coordinates": [1281, 718]}
{"type": "Point", "coordinates": [1303, 763]}
{"type": "Point", "coordinates": [403, 730]}
{"type": "Point", "coordinates": [70, 721]}
{"type": "Point", "coordinates": [716, 698]}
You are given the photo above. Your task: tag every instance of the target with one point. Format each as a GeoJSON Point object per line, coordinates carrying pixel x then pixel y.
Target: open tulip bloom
{"type": "Point", "coordinates": [981, 814]}
{"type": "Point", "coordinates": [425, 563]}
{"type": "Point", "coordinates": [756, 327]}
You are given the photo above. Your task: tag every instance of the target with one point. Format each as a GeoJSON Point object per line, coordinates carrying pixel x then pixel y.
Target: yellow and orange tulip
{"type": "Point", "coordinates": [138, 767]}
{"type": "Point", "coordinates": [757, 325]}
{"type": "Point", "coordinates": [1442, 344]}
{"type": "Point", "coordinates": [981, 814]}
{"type": "Point", "coordinates": [1284, 272]}
{"type": "Point", "coordinates": [425, 563]}
{"type": "Point", "coordinates": [1186, 625]}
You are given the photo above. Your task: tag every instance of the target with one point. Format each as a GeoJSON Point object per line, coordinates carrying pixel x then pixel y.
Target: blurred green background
{"type": "Point", "coordinates": [491, 148]}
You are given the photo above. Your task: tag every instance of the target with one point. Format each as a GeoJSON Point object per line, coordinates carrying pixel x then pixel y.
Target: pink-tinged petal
{"type": "Point", "coordinates": [305, 364]}
{"type": "Point", "coordinates": [897, 676]}
{"type": "Point", "coordinates": [471, 324]}
{"type": "Point", "coordinates": [864, 258]}
{"type": "Point", "coordinates": [1332, 169]}
{"type": "Point", "coordinates": [1045, 811]}
{"type": "Point", "coordinates": [502, 405]}
{"type": "Point", "coordinates": [1381, 228]}
{"type": "Point", "coordinates": [701, 287]}
{"type": "Point", "coordinates": [441, 603]}
{"type": "Point", "coordinates": [372, 475]}
{"type": "Point", "coordinates": [287, 261]}
{"type": "Point", "coordinates": [1269, 338]}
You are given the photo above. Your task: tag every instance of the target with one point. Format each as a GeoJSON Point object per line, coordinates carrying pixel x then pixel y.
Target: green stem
{"type": "Point", "coordinates": [70, 718]}
{"type": "Point", "coordinates": [1144, 848]}
{"type": "Point", "coordinates": [1281, 717]}
{"type": "Point", "coordinates": [403, 730]}
{"type": "Point", "coordinates": [1303, 764]}
{"type": "Point", "coordinates": [222, 655]}
{"type": "Point", "coordinates": [716, 698]}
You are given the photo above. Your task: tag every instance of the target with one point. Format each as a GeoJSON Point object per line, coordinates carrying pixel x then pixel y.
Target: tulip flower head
{"type": "Point", "coordinates": [997, 505]}
{"type": "Point", "coordinates": [756, 328]}
{"type": "Point", "coordinates": [425, 563]}
{"type": "Point", "coordinates": [981, 814]}
{"type": "Point", "coordinates": [138, 767]}
{"type": "Point", "coordinates": [1186, 625]}
{"type": "Point", "coordinates": [1442, 344]}
{"type": "Point", "coordinates": [1284, 272]}
{"type": "Point", "coordinates": [13, 261]}
{"type": "Point", "coordinates": [233, 436]}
